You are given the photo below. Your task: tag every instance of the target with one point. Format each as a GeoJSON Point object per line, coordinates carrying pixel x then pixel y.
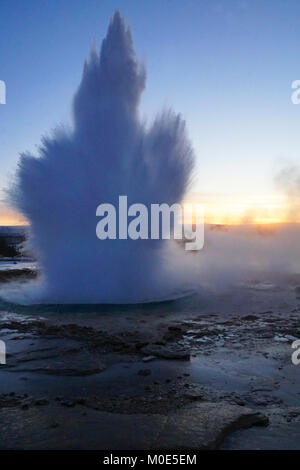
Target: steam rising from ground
{"type": "Point", "coordinates": [243, 253]}
{"type": "Point", "coordinates": [239, 254]}
{"type": "Point", "coordinates": [109, 152]}
{"type": "Point", "coordinates": [288, 181]}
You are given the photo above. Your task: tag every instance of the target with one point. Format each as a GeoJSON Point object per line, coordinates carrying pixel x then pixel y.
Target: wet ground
{"type": "Point", "coordinates": [212, 370]}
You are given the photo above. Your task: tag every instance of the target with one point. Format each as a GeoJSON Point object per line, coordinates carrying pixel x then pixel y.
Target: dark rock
{"type": "Point", "coordinates": [81, 401]}
{"type": "Point", "coordinates": [167, 352]}
{"type": "Point", "coordinates": [193, 395]}
{"type": "Point", "coordinates": [41, 402]}
{"type": "Point", "coordinates": [141, 345]}
{"type": "Point", "coordinates": [144, 372]}
{"type": "Point", "coordinates": [205, 425]}
{"type": "Point", "coordinates": [250, 318]}
{"type": "Point", "coordinates": [68, 404]}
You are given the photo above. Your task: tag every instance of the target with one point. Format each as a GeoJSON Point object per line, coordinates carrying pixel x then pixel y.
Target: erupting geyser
{"type": "Point", "coordinates": [109, 152]}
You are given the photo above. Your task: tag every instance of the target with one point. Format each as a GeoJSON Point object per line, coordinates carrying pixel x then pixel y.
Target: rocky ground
{"type": "Point", "coordinates": [177, 375]}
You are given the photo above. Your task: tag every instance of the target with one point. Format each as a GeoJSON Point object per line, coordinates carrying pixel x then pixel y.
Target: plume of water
{"type": "Point", "coordinates": [108, 152]}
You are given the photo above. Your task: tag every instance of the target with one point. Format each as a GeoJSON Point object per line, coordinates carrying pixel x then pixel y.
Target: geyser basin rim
{"type": "Point", "coordinates": [175, 297]}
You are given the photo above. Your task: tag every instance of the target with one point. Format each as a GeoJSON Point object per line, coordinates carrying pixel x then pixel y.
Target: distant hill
{"type": "Point", "coordinates": [13, 230]}
{"type": "Point", "coordinates": [11, 238]}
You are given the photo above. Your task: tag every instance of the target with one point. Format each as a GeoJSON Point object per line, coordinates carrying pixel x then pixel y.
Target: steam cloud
{"type": "Point", "coordinates": [288, 181]}
{"type": "Point", "coordinates": [109, 152]}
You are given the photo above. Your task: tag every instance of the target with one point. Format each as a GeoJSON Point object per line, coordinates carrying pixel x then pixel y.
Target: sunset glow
{"type": "Point", "coordinates": [236, 209]}
{"type": "Point", "coordinates": [228, 209]}
{"type": "Point", "coordinates": [8, 217]}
